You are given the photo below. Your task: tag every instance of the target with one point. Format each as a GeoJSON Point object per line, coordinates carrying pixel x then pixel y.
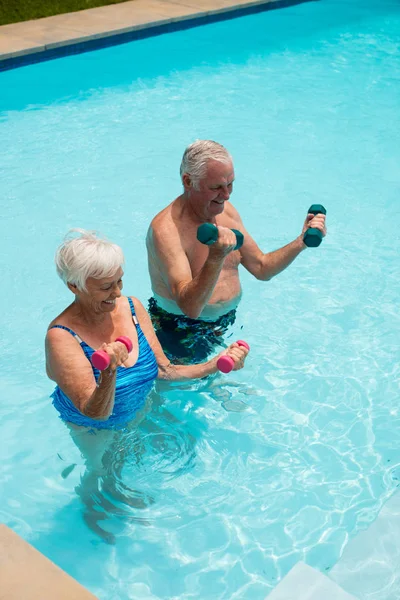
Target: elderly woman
{"type": "Point", "coordinates": [91, 268]}
{"type": "Point", "coordinates": [94, 402]}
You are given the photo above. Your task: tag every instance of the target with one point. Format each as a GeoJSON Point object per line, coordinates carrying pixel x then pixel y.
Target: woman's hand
{"type": "Point", "coordinates": [238, 355]}
{"type": "Point", "coordinates": [118, 353]}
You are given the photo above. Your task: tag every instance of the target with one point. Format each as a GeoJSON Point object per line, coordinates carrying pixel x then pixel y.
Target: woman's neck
{"type": "Point", "coordinates": [89, 318]}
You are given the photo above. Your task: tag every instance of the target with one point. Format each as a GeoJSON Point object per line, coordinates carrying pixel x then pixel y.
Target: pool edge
{"type": "Point", "coordinates": [86, 43]}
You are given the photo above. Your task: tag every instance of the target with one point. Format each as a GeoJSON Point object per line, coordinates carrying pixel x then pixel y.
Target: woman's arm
{"type": "Point", "coordinates": [67, 365]}
{"type": "Point", "coordinates": [166, 370]}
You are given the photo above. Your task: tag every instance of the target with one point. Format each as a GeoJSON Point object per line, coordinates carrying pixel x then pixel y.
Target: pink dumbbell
{"type": "Point", "coordinates": [100, 358]}
{"type": "Point", "coordinates": [225, 363]}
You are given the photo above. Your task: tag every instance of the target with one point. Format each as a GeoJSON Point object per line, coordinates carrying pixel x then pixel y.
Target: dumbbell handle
{"type": "Point", "coordinates": [100, 358]}
{"type": "Point", "coordinates": [225, 363]}
{"type": "Point", "coordinates": [312, 236]}
{"type": "Point", "coordinates": [207, 234]}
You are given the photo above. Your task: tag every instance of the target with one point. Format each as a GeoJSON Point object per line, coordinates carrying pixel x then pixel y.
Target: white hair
{"type": "Point", "coordinates": [197, 155]}
{"type": "Point", "coordinates": [83, 254]}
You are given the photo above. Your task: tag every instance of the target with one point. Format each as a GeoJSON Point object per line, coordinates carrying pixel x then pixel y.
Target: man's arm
{"type": "Point", "coordinates": [190, 293]}
{"type": "Point", "coordinates": [265, 266]}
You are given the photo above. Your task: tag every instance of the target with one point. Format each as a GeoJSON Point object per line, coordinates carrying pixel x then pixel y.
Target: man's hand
{"type": "Point", "coordinates": [316, 222]}
{"type": "Point", "coordinates": [225, 243]}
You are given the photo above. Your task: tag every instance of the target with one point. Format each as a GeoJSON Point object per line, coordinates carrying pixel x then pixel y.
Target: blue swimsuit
{"type": "Point", "coordinates": [131, 389]}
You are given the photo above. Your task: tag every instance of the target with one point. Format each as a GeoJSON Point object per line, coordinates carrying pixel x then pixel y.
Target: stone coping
{"type": "Point", "coordinates": [25, 574]}
{"type": "Point", "coordinates": [71, 33]}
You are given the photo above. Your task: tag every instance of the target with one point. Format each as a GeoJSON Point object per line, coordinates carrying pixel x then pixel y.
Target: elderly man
{"type": "Point", "coordinates": [196, 287]}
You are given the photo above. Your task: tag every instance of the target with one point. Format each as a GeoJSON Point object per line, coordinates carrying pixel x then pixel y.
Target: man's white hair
{"type": "Point", "coordinates": [196, 157]}
{"type": "Point", "coordinates": [84, 254]}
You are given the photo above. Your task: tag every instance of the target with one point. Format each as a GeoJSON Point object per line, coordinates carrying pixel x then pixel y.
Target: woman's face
{"type": "Point", "coordinates": [101, 294]}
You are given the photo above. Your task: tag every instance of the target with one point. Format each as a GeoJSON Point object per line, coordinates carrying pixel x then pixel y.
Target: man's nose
{"type": "Point", "coordinates": [225, 193]}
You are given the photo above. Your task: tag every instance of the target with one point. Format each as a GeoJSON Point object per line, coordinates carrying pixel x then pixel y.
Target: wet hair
{"type": "Point", "coordinates": [85, 254]}
{"type": "Point", "coordinates": [196, 156]}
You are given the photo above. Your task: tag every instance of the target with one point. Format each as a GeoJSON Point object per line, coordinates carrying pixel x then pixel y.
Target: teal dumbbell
{"type": "Point", "coordinates": [313, 237]}
{"type": "Point", "coordinates": [208, 234]}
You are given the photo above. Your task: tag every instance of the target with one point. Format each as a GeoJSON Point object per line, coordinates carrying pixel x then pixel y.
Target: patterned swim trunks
{"type": "Point", "coordinates": [188, 341]}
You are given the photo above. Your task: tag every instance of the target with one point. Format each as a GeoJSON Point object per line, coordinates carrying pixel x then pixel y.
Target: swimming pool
{"type": "Point", "coordinates": [291, 457]}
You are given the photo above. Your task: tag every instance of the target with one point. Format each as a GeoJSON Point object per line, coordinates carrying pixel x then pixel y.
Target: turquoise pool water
{"type": "Point", "coordinates": [288, 459]}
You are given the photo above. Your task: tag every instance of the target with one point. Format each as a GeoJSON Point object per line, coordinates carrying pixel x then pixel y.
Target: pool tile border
{"type": "Point", "coordinates": [80, 41]}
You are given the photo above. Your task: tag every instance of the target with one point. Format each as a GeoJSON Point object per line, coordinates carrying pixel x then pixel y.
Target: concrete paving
{"type": "Point", "coordinates": [40, 35]}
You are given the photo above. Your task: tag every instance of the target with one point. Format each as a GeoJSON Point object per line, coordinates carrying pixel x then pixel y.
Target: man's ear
{"type": "Point", "coordinates": [72, 287]}
{"type": "Point", "coordinates": [187, 181]}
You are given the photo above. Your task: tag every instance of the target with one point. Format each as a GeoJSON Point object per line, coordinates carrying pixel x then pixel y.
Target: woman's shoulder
{"type": "Point", "coordinates": [141, 313]}
{"type": "Point", "coordinates": [62, 321]}
{"type": "Point", "coordinates": [137, 304]}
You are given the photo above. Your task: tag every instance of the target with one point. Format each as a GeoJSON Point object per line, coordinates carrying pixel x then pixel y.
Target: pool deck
{"type": "Point", "coordinates": [25, 574]}
{"type": "Point", "coordinates": [41, 38]}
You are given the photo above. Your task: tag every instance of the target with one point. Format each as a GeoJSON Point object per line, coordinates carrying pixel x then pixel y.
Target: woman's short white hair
{"type": "Point", "coordinates": [84, 254]}
{"type": "Point", "coordinates": [197, 155]}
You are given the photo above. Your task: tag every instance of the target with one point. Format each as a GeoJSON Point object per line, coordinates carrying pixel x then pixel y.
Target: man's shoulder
{"type": "Point", "coordinates": [229, 217]}
{"type": "Point", "coordinates": [231, 210]}
{"type": "Point", "coordinates": [163, 220]}
{"type": "Point", "coordinates": [164, 229]}
{"type": "Point", "coordinates": [167, 219]}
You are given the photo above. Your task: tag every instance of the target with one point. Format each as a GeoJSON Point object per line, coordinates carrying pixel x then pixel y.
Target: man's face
{"type": "Point", "coordinates": [214, 189]}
